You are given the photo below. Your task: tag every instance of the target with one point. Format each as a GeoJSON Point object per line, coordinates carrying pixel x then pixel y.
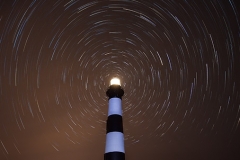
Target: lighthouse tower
{"type": "Point", "coordinates": [114, 149]}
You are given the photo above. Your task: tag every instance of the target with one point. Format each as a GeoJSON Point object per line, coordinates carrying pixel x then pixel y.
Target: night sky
{"type": "Point", "coordinates": [178, 61]}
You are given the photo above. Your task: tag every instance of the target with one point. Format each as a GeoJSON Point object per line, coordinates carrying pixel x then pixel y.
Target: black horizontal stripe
{"type": "Point", "coordinates": [114, 123]}
{"type": "Point", "coordinates": [114, 156]}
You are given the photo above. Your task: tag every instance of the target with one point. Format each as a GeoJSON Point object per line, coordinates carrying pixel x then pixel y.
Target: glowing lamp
{"type": "Point", "coordinates": [115, 81]}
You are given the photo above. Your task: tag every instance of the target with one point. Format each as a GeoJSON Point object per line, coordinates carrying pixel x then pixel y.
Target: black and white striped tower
{"type": "Point", "coordinates": [114, 149]}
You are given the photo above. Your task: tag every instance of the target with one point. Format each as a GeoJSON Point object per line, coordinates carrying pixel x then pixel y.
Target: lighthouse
{"type": "Point", "coordinates": [114, 149]}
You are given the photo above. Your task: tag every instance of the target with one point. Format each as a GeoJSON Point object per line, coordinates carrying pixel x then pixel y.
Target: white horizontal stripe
{"type": "Point", "coordinates": [115, 142]}
{"type": "Point", "coordinates": [115, 106]}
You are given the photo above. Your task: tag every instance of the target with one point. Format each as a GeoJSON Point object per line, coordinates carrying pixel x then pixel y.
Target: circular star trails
{"type": "Point", "coordinates": [178, 62]}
